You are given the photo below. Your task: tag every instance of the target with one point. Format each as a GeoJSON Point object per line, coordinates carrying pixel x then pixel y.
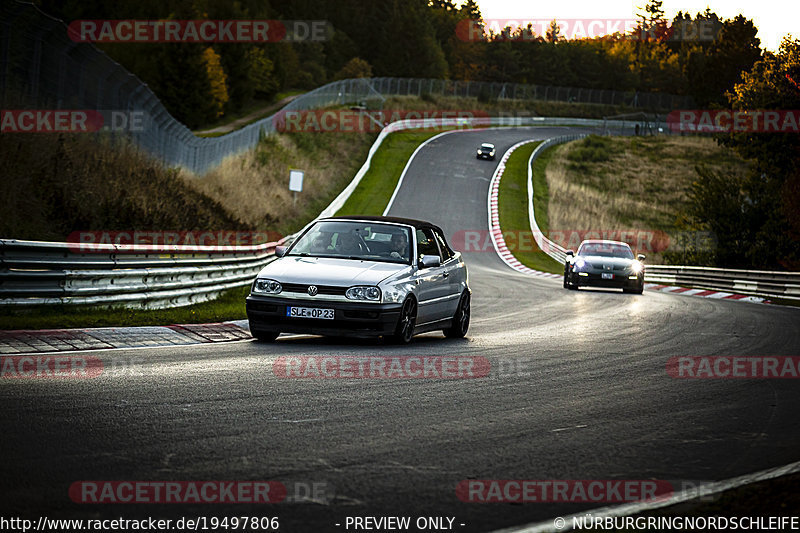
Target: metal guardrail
{"type": "Point", "coordinates": [145, 276]}
{"type": "Point", "coordinates": [749, 282]}
{"type": "Point", "coordinates": [549, 247]}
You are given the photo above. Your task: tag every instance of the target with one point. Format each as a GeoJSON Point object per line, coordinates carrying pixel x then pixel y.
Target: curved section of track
{"type": "Point", "coordinates": [578, 390]}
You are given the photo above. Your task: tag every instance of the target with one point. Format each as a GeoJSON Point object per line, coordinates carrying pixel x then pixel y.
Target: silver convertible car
{"type": "Point", "coordinates": [362, 276]}
{"type": "Point", "coordinates": [602, 263]}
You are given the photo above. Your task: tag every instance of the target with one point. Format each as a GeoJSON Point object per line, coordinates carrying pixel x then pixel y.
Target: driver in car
{"type": "Point", "coordinates": [399, 246]}
{"type": "Point", "coordinates": [347, 244]}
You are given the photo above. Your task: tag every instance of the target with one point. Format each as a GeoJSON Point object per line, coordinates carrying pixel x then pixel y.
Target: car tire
{"type": "Point", "coordinates": [266, 336]}
{"type": "Point", "coordinates": [568, 284]}
{"type": "Point", "coordinates": [460, 324]}
{"type": "Point", "coordinates": [405, 323]}
{"type": "Point", "coordinates": [635, 290]}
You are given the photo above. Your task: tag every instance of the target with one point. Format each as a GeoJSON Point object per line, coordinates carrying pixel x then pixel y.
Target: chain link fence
{"type": "Point", "coordinates": [42, 68]}
{"type": "Point", "coordinates": [517, 91]}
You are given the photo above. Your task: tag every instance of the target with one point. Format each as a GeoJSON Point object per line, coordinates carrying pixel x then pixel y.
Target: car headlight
{"type": "Point", "coordinates": [363, 293]}
{"type": "Point", "coordinates": [580, 263]}
{"type": "Point", "coordinates": [267, 286]}
{"type": "Point", "coordinates": [636, 267]}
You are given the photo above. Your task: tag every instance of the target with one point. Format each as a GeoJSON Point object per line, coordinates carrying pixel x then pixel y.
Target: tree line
{"type": "Point", "coordinates": [199, 83]}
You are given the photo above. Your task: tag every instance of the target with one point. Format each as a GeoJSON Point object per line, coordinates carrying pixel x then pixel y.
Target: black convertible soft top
{"type": "Point", "coordinates": [418, 224]}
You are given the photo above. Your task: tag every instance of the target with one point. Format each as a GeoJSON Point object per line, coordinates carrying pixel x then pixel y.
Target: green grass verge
{"type": "Point", "coordinates": [229, 306]}
{"type": "Point", "coordinates": [513, 208]}
{"type": "Point", "coordinates": [376, 187]}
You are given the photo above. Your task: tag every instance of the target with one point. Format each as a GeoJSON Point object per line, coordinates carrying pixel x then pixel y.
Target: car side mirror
{"type": "Point", "coordinates": [640, 257]}
{"type": "Point", "coordinates": [280, 251]}
{"type": "Point", "coordinates": [570, 252]}
{"type": "Point", "coordinates": [428, 261]}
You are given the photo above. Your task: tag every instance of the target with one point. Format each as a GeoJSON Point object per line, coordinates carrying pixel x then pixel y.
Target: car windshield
{"type": "Point", "coordinates": [368, 241]}
{"type": "Point", "coordinates": [487, 147]}
{"type": "Point", "coordinates": [606, 250]}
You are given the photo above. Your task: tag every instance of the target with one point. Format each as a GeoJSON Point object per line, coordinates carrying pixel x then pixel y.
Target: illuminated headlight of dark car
{"type": "Point", "coordinates": [636, 268]}
{"type": "Point", "coordinates": [363, 293]}
{"type": "Point", "coordinates": [579, 263]}
{"type": "Point", "coordinates": [267, 286]}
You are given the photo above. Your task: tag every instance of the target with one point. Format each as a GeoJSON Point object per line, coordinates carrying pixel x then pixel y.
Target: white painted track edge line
{"type": "Point", "coordinates": [627, 509]}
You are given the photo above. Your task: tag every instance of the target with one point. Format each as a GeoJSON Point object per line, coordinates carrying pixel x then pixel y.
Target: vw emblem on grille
{"type": "Point", "coordinates": [313, 290]}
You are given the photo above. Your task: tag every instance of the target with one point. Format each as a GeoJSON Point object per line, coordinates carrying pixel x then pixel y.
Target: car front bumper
{"type": "Point", "coordinates": [619, 281]}
{"type": "Point", "coordinates": [268, 314]}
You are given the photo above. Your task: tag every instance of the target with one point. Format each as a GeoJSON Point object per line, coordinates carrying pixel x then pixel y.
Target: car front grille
{"type": "Point", "coordinates": [602, 266]}
{"type": "Point", "coordinates": [302, 288]}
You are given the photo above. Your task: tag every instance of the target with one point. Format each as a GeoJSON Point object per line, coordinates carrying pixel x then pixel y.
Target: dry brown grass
{"type": "Point", "coordinates": [254, 187]}
{"type": "Point", "coordinates": [642, 186]}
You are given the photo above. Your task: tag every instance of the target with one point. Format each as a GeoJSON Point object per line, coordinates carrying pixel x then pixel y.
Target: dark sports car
{"type": "Point", "coordinates": [485, 151]}
{"type": "Point", "coordinates": [604, 264]}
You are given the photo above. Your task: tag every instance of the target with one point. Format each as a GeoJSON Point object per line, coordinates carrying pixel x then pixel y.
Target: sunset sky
{"type": "Point", "coordinates": [773, 18]}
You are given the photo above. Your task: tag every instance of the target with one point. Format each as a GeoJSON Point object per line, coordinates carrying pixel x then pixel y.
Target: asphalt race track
{"type": "Point", "coordinates": [578, 390]}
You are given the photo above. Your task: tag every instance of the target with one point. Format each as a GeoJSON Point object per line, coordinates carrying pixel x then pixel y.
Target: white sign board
{"type": "Point", "coordinates": [296, 180]}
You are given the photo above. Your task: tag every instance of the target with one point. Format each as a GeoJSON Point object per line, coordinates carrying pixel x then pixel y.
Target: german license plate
{"type": "Point", "coordinates": [608, 275]}
{"type": "Point", "coordinates": [309, 312]}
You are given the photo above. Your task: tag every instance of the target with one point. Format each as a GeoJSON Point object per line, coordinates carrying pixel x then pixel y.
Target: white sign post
{"type": "Point", "coordinates": [295, 183]}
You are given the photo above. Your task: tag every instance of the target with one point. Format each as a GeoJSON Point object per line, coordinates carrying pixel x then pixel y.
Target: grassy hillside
{"type": "Point", "coordinates": [53, 186]}
{"type": "Point", "coordinates": [633, 184]}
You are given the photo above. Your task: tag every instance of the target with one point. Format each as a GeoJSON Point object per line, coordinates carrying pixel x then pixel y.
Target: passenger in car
{"type": "Point", "coordinates": [399, 246]}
